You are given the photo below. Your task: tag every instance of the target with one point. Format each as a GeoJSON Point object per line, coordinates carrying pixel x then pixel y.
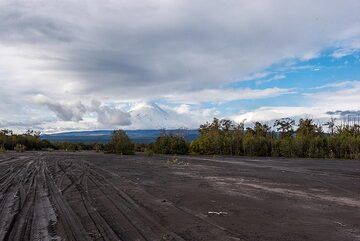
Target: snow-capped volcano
{"type": "Point", "coordinates": [152, 116]}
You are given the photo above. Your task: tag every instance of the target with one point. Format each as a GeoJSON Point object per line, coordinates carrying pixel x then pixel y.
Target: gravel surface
{"type": "Point", "coordinates": [93, 196]}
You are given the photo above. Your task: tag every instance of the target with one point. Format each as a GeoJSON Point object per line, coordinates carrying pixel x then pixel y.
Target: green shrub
{"type": "Point", "coordinates": [286, 147]}
{"type": "Point", "coordinates": [170, 144]}
{"type": "Point", "coordinates": [148, 152]}
{"type": "Point", "coordinates": [249, 144]}
{"type": "Point", "coordinates": [120, 143]}
{"type": "Point", "coordinates": [220, 137]}
{"type": "Point", "coordinates": [19, 148]}
{"type": "Point", "coordinates": [97, 148]}
{"type": "Point", "coordinates": [2, 149]}
{"type": "Point", "coordinates": [223, 137]}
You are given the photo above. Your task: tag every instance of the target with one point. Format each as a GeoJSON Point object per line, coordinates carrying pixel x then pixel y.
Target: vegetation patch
{"type": "Point", "coordinates": [306, 139]}
{"type": "Point", "coordinates": [120, 143]}
{"type": "Point", "coordinates": [285, 138]}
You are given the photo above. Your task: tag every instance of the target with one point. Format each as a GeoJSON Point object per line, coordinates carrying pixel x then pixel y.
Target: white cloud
{"type": "Point", "coordinates": [225, 95]}
{"type": "Point", "coordinates": [110, 116]}
{"type": "Point", "coordinates": [345, 98]}
{"type": "Point", "coordinates": [271, 113]}
{"type": "Point", "coordinates": [183, 109]}
{"type": "Point", "coordinates": [337, 85]}
{"type": "Point", "coordinates": [76, 44]}
{"type": "Point", "coordinates": [65, 112]}
{"type": "Point", "coordinates": [348, 49]}
{"type": "Point", "coordinates": [152, 116]}
{"type": "Point", "coordinates": [255, 76]}
{"type": "Point", "coordinates": [316, 105]}
{"type": "Point", "coordinates": [183, 51]}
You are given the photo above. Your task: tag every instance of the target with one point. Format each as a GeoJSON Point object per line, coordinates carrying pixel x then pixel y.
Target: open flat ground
{"type": "Point", "coordinates": [91, 196]}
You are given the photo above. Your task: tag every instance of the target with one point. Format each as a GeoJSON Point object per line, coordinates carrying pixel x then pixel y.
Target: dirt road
{"type": "Point", "coordinates": [90, 196]}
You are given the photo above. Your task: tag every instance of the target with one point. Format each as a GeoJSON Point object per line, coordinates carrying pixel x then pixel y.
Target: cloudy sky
{"type": "Point", "coordinates": [75, 65]}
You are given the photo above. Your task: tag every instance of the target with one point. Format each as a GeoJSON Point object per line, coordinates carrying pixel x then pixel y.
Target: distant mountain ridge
{"type": "Point", "coordinates": [103, 136]}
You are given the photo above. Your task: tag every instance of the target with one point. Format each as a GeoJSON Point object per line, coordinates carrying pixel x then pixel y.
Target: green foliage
{"type": "Point", "coordinates": [2, 149]}
{"type": "Point", "coordinates": [120, 143]}
{"type": "Point", "coordinates": [285, 127]}
{"type": "Point", "coordinates": [141, 147]}
{"type": "Point", "coordinates": [98, 147]}
{"type": "Point", "coordinates": [249, 144]}
{"type": "Point", "coordinates": [30, 140]}
{"type": "Point", "coordinates": [223, 137]}
{"type": "Point", "coordinates": [19, 148]}
{"type": "Point", "coordinates": [170, 144]}
{"type": "Point", "coordinates": [283, 147]}
{"type": "Point", "coordinates": [345, 143]}
{"type": "Point", "coordinates": [148, 152]}
{"type": "Point", "coordinates": [309, 139]}
{"type": "Point", "coordinates": [257, 141]}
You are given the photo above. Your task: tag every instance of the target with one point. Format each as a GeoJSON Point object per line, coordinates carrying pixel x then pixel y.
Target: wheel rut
{"type": "Point", "coordinates": [43, 198]}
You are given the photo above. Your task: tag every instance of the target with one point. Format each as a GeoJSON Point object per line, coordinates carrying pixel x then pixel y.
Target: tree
{"type": "Point", "coordinates": [120, 143]}
{"type": "Point", "coordinates": [284, 145]}
{"type": "Point", "coordinates": [257, 140]}
{"type": "Point", "coordinates": [285, 126]}
{"type": "Point", "coordinates": [308, 128]}
{"type": "Point", "coordinates": [331, 125]}
{"type": "Point", "coordinates": [170, 144]}
{"type": "Point", "coordinates": [220, 137]}
{"type": "Point", "coordinates": [309, 139]}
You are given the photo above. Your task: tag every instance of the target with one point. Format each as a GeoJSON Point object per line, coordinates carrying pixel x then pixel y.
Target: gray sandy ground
{"type": "Point", "coordinates": [91, 196]}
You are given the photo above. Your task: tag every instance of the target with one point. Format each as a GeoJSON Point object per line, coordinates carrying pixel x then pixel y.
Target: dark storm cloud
{"type": "Point", "coordinates": [26, 26]}
{"type": "Point", "coordinates": [107, 62]}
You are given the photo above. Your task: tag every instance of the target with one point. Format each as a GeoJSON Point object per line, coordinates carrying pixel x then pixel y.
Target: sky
{"type": "Point", "coordinates": [85, 65]}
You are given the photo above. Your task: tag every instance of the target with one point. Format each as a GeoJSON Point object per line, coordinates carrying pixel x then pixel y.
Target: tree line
{"type": "Point", "coordinates": [31, 141]}
{"type": "Point", "coordinates": [285, 138]}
